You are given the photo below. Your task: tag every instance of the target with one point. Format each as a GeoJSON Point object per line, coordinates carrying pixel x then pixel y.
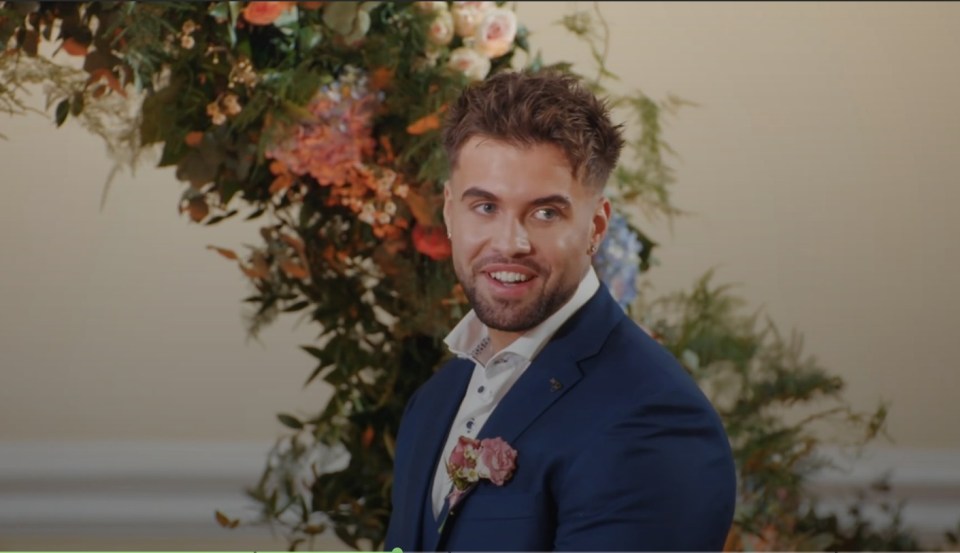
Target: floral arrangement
{"type": "Point", "coordinates": [473, 460]}
{"type": "Point", "coordinates": [321, 120]}
{"type": "Point", "coordinates": [619, 259]}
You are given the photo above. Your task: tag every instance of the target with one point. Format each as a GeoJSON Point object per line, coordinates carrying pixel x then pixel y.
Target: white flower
{"type": "Point", "coordinates": [368, 214]}
{"type": "Point", "coordinates": [441, 30]}
{"type": "Point", "coordinates": [468, 15]}
{"type": "Point", "coordinates": [301, 465]}
{"type": "Point", "coordinates": [231, 104]}
{"type": "Point", "coordinates": [470, 62]}
{"type": "Point", "coordinates": [494, 37]}
{"type": "Point", "coordinates": [430, 7]}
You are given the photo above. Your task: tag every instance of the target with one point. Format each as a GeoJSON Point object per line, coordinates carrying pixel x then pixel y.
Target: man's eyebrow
{"type": "Point", "coordinates": [474, 192]}
{"type": "Point", "coordinates": [554, 199]}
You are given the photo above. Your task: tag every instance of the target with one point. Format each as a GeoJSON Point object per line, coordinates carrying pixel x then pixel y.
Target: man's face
{"type": "Point", "coordinates": [521, 228]}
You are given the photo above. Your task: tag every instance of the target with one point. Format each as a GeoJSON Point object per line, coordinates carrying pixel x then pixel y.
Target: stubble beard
{"type": "Point", "coordinates": [516, 316]}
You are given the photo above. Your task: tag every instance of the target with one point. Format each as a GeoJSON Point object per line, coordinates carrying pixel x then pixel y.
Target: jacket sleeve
{"type": "Point", "coordinates": [396, 527]}
{"type": "Point", "coordinates": [660, 477]}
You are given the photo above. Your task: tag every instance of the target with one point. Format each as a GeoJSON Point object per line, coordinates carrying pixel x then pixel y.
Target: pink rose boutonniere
{"type": "Point", "coordinates": [472, 460]}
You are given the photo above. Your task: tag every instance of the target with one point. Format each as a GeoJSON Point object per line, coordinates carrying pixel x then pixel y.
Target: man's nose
{"type": "Point", "coordinates": [512, 239]}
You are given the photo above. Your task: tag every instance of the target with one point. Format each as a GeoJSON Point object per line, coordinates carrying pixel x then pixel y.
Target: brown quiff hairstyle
{"type": "Point", "coordinates": [524, 109]}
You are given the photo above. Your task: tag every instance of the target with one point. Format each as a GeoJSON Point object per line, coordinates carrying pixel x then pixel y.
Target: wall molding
{"type": "Point", "coordinates": [127, 489]}
{"type": "Point", "coordinates": [927, 480]}
{"type": "Point", "coordinates": [131, 489]}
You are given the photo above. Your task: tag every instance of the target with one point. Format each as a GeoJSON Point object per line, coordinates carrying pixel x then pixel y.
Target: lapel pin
{"type": "Point", "coordinates": [555, 385]}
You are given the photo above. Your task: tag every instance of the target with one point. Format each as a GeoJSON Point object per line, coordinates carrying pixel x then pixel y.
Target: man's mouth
{"type": "Point", "coordinates": [508, 277]}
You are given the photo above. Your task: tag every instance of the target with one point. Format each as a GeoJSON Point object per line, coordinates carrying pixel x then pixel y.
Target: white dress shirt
{"type": "Point", "coordinates": [495, 372]}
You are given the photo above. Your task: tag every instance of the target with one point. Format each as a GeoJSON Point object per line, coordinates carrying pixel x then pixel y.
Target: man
{"type": "Point", "coordinates": [600, 439]}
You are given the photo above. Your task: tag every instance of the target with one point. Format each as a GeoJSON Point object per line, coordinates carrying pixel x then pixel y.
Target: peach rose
{"type": "Point", "coordinates": [470, 62]}
{"type": "Point", "coordinates": [494, 36]}
{"type": "Point", "coordinates": [468, 15]}
{"type": "Point", "coordinates": [264, 13]}
{"type": "Point", "coordinates": [441, 30]}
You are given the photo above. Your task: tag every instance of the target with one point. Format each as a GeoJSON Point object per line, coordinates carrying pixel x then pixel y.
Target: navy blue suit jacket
{"type": "Point", "coordinates": [626, 454]}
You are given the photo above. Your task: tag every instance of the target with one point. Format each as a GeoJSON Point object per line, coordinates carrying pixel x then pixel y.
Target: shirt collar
{"type": "Point", "coordinates": [470, 337]}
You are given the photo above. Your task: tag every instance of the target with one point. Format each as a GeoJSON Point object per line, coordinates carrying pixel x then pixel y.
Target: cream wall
{"type": "Point", "coordinates": [818, 168]}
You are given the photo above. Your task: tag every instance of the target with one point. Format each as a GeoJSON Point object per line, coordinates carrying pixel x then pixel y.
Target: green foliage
{"type": "Point", "coordinates": [753, 376]}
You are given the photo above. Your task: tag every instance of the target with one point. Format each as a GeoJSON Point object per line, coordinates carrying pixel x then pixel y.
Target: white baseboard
{"type": "Point", "coordinates": [927, 481]}
{"type": "Point", "coordinates": [127, 489]}
{"type": "Point", "coordinates": [132, 489]}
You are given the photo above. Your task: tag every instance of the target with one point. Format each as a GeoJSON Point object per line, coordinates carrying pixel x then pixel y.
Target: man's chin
{"type": "Point", "coordinates": [507, 316]}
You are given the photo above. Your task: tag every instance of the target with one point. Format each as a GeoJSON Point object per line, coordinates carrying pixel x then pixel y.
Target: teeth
{"type": "Point", "coordinates": [505, 276]}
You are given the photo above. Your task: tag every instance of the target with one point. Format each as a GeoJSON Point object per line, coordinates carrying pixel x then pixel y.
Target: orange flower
{"type": "Point", "coordinates": [281, 183]}
{"type": "Point", "coordinates": [264, 13]}
{"type": "Point", "coordinates": [427, 123]}
{"type": "Point", "coordinates": [74, 47]}
{"type": "Point", "coordinates": [381, 78]}
{"type": "Point", "coordinates": [193, 139]}
{"type": "Point", "coordinates": [431, 242]}
{"type": "Point", "coordinates": [367, 437]}
{"type": "Point", "coordinates": [424, 124]}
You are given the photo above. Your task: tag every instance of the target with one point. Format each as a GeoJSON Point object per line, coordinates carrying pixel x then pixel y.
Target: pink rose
{"type": "Point", "coordinates": [494, 37]}
{"type": "Point", "coordinates": [497, 460]}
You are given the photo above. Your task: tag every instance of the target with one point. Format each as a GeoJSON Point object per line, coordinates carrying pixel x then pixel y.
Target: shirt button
{"type": "Point", "coordinates": [480, 389]}
{"type": "Point", "coordinates": [470, 425]}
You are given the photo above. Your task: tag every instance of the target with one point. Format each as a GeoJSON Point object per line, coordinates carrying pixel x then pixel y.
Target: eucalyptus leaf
{"type": "Point", "coordinates": [290, 421]}
{"type": "Point", "coordinates": [63, 110]}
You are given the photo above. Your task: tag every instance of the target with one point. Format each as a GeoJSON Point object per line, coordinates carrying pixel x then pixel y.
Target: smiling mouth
{"type": "Point", "coordinates": [508, 277]}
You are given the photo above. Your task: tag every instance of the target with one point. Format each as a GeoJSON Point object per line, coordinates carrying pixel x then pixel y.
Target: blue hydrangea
{"type": "Point", "coordinates": [618, 260]}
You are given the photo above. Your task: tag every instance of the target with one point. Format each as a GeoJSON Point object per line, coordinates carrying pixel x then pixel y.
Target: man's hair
{"type": "Point", "coordinates": [526, 109]}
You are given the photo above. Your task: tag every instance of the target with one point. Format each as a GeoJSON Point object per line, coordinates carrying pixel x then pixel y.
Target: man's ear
{"type": "Point", "coordinates": [600, 222]}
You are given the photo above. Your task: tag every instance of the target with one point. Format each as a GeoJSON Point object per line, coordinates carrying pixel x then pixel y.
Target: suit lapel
{"type": "Point", "coordinates": [551, 375]}
{"type": "Point", "coordinates": [555, 370]}
{"type": "Point", "coordinates": [436, 423]}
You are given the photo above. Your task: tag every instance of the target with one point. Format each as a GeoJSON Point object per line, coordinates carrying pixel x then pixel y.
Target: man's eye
{"type": "Point", "coordinates": [485, 208]}
{"type": "Point", "coordinates": [546, 214]}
